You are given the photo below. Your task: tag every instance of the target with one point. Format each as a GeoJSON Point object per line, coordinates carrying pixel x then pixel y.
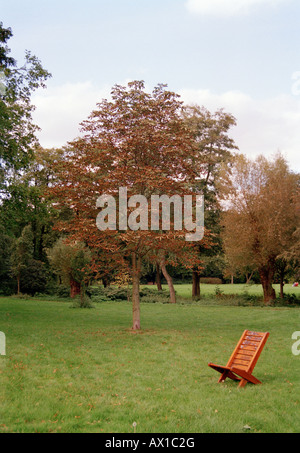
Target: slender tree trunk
{"type": "Point", "coordinates": [158, 279]}
{"type": "Point", "coordinates": [169, 280]}
{"type": "Point", "coordinates": [266, 276]}
{"type": "Point", "coordinates": [281, 284]}
{"type": "Point", "coordinates": [196, 286]}
{"type": "Point", "coordinates": [82, 294]}
{"type": "Point", "coordinates": [281, 266]}
{"type": "Point", "coordinates": [248, 277]}
{"type": "Point", "coordinates": [75, 288]}
{"type": "Point", "coordinates": [232, 281]}
{"type": "Point", "coordinates": [136, 273]}
{"type": "Point", "coordinates": [18, 283]}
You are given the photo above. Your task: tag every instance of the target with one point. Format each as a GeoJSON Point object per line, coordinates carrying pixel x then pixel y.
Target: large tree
{"type": "Point", "coordinates": [27, 204]}
{"type": "Point", "coordinates": [22, 253]}
{"type": "Point", "coordinates": [137, 141]}
{"type": "Point", "coordinates": [17, 131]}
{"type": "Point", "coordinates": [70, 262]}
{"type": "Point", "coordinates": [262, 218]}
{"type": "Point", "coordinates": [213, 156]}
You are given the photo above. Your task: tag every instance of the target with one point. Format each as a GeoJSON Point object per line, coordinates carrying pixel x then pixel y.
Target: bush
{"type": "Point", "coordinates": [116, 293]}
{"type": "Point", "coordinates": [8, 287]}
{"type": "Point", "coordinates": [289, 299]}
{"type": "Point", "coordinates": [153, 296]}
{"type": "Point", "coordinates": [82, 303]}
{"type": "Point", "coordinates": [101, 294]}
{"type": "Point", "coordinates": [34, 278]}
{"type": "Point", "coordinates": [63, 291]}
{"type": "Point", "coordinates": [247, 299]}
{"type": "Point", "coordinates": [22, 296]}
{"type": "Point", "coordinates": [211, 280]}
{"type": "Point", "coordinates": [113, 293]}
{"type": "Point", "coordinates": [95, 291]}
{"type": "Point", "coordinates": [219, 292]}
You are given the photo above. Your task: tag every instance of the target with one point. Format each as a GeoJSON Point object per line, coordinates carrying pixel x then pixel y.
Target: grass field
{"type": "Point", "coordinates": [75, 370]}
{"type": "Point", "coordinates": [185, 290]}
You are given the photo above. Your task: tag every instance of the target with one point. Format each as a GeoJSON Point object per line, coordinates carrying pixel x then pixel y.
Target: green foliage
{"type": "Point", "coordinates": [62, 291]}
{"type": "Point", "coordinates": [22, 252]}
{"type": "Point", "coordinates": [82, 302]}
{"type": "Point", "coordinates": [218, 291]}
{"type": "Point", "coordinates": [153, 296]}
{"type": "Point", "coordinates": [5, 35]}
{"type": "Point", "coordinates": [112, 293]}
{"type": "Point", "coordinates": [70, 261]}
{"type": "Point", "coordinates": [7, 285]}
{"type": "Point", "coordinates": [288, 299]}
{"type": "Point", "coordinates": [33, 277]}
{"type": "Point", "coordinates": [211, 280]}
{"type": "Point", "coordinates": [17, 131]}
{"type": "Point", "coordinates": [80, 265]}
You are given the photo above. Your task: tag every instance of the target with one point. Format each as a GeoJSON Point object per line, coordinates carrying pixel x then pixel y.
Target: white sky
{"type": "Point", "coordinates": [242, 55]}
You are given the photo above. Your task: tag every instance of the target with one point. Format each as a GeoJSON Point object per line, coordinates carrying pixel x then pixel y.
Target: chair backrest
{"type": "Point", "coordinates": [248, 350]}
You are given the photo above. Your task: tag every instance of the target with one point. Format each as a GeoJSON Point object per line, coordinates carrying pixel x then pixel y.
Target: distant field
{"type": "Point", "coordinates": [85, 370]}
{"type": "Point", "coordinates": [185, 290]}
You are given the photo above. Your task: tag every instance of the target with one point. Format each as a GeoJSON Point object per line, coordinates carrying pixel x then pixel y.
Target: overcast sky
{"type": "Point", "coordinates": [240, 55]}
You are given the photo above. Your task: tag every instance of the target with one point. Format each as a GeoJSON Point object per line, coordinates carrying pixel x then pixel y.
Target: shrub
{"type": "Point", "coordinates": [101, 294]}
{"type": "Point", "coordinates": [219, 293]}
{"type": "Point", "coordinates": [289, 299]}
{"type": "Point", "coordinates": [63, 291]}
{"type": "Point", "coordinates": [33, 277]}
{"type": "Point", "coordinates": [116, 293]}
{"type": "Point", "coordinates": [246, 299]}
{"type": "Point", "coordinates": [154, 296]}
{"type": "Point", "coordinates": [84, 302]}
{"type": "Point", "coordinates": [211, 280]}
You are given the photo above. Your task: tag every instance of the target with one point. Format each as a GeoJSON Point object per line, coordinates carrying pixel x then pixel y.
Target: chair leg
{"type": "Point", "coordinates": [228, 374]}
{"type": "Point", "coordinates": [247, 377]}
{"type": "Point", "coordinates": [223, 376]}
{"type": "Point", "coordinates": [242, 383]}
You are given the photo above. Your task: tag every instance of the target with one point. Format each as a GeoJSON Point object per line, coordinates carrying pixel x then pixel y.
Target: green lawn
{"type": "Point", "coordinates": [185, 290]}
{"type": "Point", "coordinates": [84, 370]}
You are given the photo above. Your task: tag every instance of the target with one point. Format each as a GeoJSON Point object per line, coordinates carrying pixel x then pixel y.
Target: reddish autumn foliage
{"type": "Point", "coordinates": [138, 141]}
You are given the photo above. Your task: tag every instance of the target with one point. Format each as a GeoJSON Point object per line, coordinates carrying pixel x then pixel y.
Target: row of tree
{"type": "Point", "coordinates": [152, 144]}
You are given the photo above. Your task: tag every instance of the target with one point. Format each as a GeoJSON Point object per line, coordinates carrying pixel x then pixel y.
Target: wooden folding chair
{"type": "Point", "coordinates": [243, 359]}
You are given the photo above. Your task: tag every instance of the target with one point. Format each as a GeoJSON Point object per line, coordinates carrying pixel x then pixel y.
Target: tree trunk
{"type": "Point", "coordinates": [281, 284]}
{"type": "Point", "coordinates": [106, 281]}
{"type": "Point", "coordinates": [248, 277]}
{"type": "Point", "coordinates": [75, 288]}
{"type": "Point", "coordinates": [169, 280]}
{"type": "Point", "coordinates": [18, 282]}
{"type": "Point", "coordinates": [196, 286]}
{"type": "Point", "coordinates": [136, 273]}
{"type": "Point", "coordinates": [158, 279]}
{"type": "Point", "coordinates": [281, 288]}
{"type": "Point", "coordinates": [266, 277]}
{"type": "Point", "coordinates": [281, 266]}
